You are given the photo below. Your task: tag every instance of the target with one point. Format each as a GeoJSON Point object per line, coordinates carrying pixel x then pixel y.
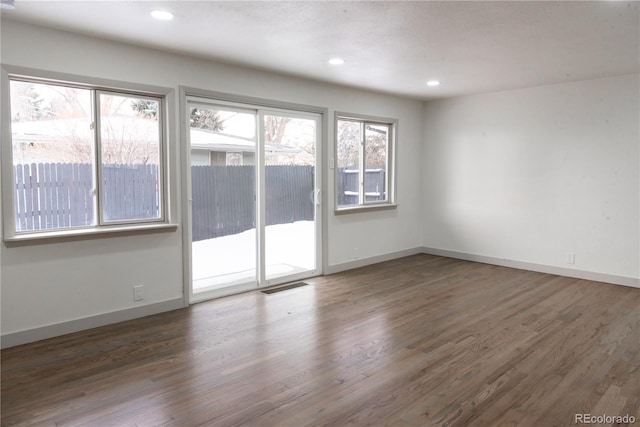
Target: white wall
{"type": "Point", "coordinates": [534, 174]}
{"type": "Point", "coordinates": [50, 283]}
{"type": "Point", "coordinates": [526, 175]}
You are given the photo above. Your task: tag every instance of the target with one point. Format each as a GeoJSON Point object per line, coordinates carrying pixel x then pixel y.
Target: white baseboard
{"type": "Point", "coordinates": [337, 268]}
{"type": "Point", "coordinates": [36, 334]}
{"type": "Point", "coordinates": [541, 268]}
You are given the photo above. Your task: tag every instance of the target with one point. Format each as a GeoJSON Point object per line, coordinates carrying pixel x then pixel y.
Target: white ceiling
{"type": "Point", "coordinates": [389, 46]}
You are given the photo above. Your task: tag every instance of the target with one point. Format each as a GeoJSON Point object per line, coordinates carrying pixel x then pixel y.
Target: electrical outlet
{"type": "Point", "coordinates": [356, 254]}
{"type": "Point", "coordinates": [137, 293]}
{"type": "Point", "coordinates": [571, 258]}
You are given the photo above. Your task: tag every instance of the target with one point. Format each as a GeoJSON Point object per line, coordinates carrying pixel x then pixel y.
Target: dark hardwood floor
{"type": "Point", "coordinates": [419, 341]}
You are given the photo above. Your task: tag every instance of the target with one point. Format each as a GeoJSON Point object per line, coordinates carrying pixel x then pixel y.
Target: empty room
{"type": "Point", "coordinates": [327, 213]}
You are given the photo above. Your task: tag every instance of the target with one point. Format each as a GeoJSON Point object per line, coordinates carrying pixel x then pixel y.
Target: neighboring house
{"type": "Point", "coordinates": [35, 141]}
{"type": "Point", "coordinates": [69, 141]}
{"type": "Point", "coordinates": [212, 148]}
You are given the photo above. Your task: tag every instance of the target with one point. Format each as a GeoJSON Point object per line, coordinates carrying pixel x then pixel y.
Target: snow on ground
{"type": "Point", "coordinates": [289, 248]}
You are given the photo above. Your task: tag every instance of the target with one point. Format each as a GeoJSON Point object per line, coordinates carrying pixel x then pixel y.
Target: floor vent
{"type": "Point", "coordinates": [284, 288]}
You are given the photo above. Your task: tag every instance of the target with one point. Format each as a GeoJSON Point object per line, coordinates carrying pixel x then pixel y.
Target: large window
{"type": "Point", "coordinates": [84, 157]}
{"type": "Point", "coordinates": [364, 157]}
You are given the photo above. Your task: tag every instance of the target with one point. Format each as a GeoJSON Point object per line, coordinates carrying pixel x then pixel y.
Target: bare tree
{"type": "Point", "coordinates": [350, 139]}
{"type": "Point", "coordinates": [28, 104]}
{"type": "Point", "coordinates": [206, 119]}
{"type": "Point", "coordinates": [60, 118]}
{"type": "Point", "coordinates": [274, 128]}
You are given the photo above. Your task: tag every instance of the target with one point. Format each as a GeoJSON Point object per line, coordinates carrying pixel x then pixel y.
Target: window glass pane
{"type": "Point", "coordinates": [52, 144]}
{"type": "Point", "coordinates": [223, 190]}
{"type": "Point", "coordinates": [348, 148]}
{"type": "Point", "coordinates": [376, 150]}
{"type": "Point", "coordinates": [222, 137]}
{"type": "Point", "coordinates": [290, 232]}
{"type": "Point", "coordinates": [130, 156]}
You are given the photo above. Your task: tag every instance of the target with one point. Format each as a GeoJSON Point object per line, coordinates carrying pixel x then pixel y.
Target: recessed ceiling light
{"type": "Point", "coordinates": [433, 83]}
{"type": "Point", "coordinates": [162, 15]}
{"type": "Point", "coordinates": [336, 61]}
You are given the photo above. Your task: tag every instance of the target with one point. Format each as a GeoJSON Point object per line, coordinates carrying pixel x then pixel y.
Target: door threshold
{"type": "Point", "coordinates": [281, 288]}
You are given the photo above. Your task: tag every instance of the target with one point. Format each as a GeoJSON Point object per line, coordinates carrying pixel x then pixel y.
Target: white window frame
{"type": "Point", "coordinates": [97, 87]}
{"type": "Point", "coordinates": [390, 190]}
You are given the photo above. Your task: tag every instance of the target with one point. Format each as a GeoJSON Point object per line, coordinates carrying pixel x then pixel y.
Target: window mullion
{"type": "Point", "coordinates": [362, 166]}
{"type": "Point", "coordinates": [96, 158]}
{"type": "Point", "coordinates": [390, 161]}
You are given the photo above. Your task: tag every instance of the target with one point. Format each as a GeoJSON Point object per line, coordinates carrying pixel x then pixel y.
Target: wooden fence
{"type": "Point", "coordinates": [224, 204]}
{"type": "Point", "coordinates": [55, 195]}
{"type": "Point", "coordinates": [131, 192]}
{"type": "Point", "coordinates": [59, 195]}
{"type": "Point", "coordinates": [348, 185]}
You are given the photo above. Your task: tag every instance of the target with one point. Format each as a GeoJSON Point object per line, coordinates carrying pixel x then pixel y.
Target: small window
{"type": "Point", "coordinates": [84, 157]}
{"type": "Point", "coordinates": [364, 153]}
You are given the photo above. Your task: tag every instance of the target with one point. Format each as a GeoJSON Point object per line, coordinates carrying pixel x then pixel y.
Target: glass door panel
{"type": "Point", "coordinates": [254, 197]}
{"type": "Point", "coordinates": [290, 195]}
{"type": "Point", "coordinates": [223, 191]}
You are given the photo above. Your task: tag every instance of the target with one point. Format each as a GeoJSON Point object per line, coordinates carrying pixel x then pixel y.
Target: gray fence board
{"type": "Point", "coordinates": [375, 183]}
{"type": "Point", "coordinates": [224, 198]}
{"type": "Point", "coordinates": [60, 195]}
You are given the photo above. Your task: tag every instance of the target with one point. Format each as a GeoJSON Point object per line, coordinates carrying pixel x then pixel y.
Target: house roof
{"type": "Point", "coordinates": [52, 130]}
{"type": "Point", "coordinates": [204, 139]}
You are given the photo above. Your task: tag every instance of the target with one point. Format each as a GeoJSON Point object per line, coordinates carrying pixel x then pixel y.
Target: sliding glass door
{"type": "Point", "coordinates": [254, 197]}
{"type": "Point", "coordinates": [223, 189]}
{"type": "Point", "coordinates": [290, 194]}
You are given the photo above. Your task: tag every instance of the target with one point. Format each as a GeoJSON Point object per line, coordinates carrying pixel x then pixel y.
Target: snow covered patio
{"type": "Point", "coordinates": [230, 260]}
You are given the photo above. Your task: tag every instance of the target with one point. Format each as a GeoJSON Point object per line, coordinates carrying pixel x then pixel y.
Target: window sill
{"type": "Point", "coordinates": [365, 208]}
{"type": "Point", "coordinates": [88, 233]}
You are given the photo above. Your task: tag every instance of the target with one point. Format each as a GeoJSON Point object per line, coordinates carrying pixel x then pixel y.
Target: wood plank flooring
{"type": "Point", "coordinates": [419, 341]}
